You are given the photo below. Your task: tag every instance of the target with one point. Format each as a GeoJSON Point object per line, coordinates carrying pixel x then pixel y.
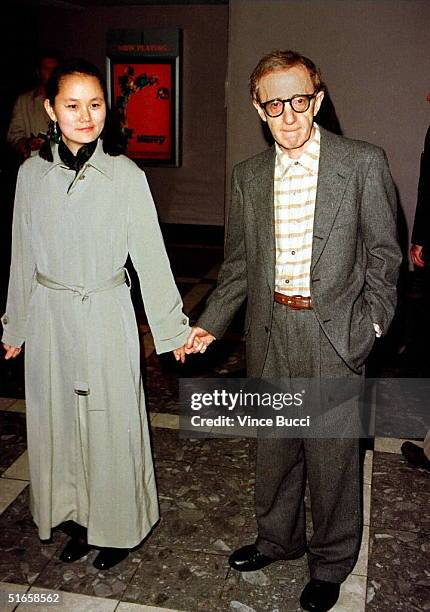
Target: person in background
{"type": "Point", "coordinates": [420, 247]}
{"type": "Point", "coordinates": [29, 123]}
{"type": "Point", "coordinates": [420, 256]}
{"type": "Point", "coordinates": [311, 244]}
{"type": "Point", "coordinates": [80, 208]}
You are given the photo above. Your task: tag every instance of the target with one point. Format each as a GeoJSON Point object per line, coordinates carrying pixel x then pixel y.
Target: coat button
{"type": "Point", "coordinates": [266, 329]}
{"type": "Point", "coordinates": [81, 178]}
{"type": "Point", "coordinates": [5, 320]}
{"type": "Point", "coordinates": [184, 321]}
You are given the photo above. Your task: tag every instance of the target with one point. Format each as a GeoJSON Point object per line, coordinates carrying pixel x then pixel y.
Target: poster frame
{"type": "Point", "coordinates": [112, 60]}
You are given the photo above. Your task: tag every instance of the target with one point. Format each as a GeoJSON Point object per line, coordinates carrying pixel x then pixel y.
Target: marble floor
{"type": "Point", "coordinates": [206, 497]}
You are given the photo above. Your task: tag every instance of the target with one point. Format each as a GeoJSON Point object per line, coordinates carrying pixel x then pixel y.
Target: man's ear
{"type": "Point", "coordinates": [50, 110]}
{"type": "Point", "coordinates": [318, 101]}
{"type": "Point", "coordinates": [259, 110]}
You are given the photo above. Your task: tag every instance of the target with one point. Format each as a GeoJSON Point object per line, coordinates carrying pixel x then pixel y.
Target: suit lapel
{"type": "Point", "coordinates": [332, 180]}
{"type": "Point", "coordinates": [262, 196]}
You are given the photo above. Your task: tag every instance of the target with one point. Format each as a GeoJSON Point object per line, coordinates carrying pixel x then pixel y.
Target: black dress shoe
{"type": "Point", "coordinates": [319, 595]}
{"type": "Point", "coordinates": [109, 557]}
{"type": "Point", "coordinates": [414, 454]}
{"type": "Point", "coordinates": [74, 530]}
{"type": "Point", "coordinates": [249, 559]}
{"type": "Point", "coordinates": [74, 550]}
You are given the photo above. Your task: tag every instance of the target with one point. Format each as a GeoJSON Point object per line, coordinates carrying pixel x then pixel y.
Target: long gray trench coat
{"type": "Point", "coordinates": [88, 443]}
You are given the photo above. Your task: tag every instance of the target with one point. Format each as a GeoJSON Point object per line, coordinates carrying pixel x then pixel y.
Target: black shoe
{"type": "Point", "coordinates": [319, 595]}
{"type": "Point", "coordinates": [249, 559]}
{"type": "Point", "coordinates": [109, 557]}
{"type": "Point", "coordinates": [414, 454]}
{"type": "Point", "coordinates": [74, 530]}
{"type": "Point", "coordinates": [74, 550]}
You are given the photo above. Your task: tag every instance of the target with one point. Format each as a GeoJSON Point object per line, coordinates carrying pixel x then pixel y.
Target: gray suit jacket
{"type": "Point", "coordinates": [355, 254]}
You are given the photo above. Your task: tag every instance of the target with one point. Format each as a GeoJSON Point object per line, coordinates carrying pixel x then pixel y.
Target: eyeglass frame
{"type": "Point", "coordinates": [308, 96]}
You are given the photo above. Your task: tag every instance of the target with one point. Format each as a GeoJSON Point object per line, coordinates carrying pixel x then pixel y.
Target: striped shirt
{"type": "Point", "coordinates": [295, 186]}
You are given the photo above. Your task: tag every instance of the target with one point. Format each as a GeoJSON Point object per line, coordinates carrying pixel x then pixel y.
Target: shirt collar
{"type": "Point", "coordinates": [309, 159]}
{"type": "Point", "coordinates": [99, 160]}
{"type": "Point", "coordinates": [76, 162]}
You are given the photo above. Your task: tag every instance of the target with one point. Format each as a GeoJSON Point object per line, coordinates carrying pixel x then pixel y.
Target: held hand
{"type": "Point", "coordinates": [11, 351]}
{"type": "Point", "coordinates": [179, 354]}
{"type": "Point", "coordinates": [23, 147]}
{"type": "Point", "coordinates": [35, 143]}
{"type": "Point", "coordinates": [198, 340]}
{"type": "Point", "coordinates": [416, 253]}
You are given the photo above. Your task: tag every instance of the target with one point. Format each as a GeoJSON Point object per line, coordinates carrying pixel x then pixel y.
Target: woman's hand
{"type": "Point", "coordinates": [179, 354]}
{"type": "Point", "coordinates": [11, 351]}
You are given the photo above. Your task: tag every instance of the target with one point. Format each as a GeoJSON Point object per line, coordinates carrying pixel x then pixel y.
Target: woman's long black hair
{"type": "Point", "coordinates": [112, 136]}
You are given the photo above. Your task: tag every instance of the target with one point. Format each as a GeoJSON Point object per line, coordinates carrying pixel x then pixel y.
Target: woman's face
{"type": "Point", "coordinates": [79, 108]}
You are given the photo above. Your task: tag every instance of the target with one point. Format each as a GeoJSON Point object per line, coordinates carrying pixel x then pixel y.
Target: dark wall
{"type": "Point", "coordinates": [374, 57]}
{"type": "Point", "coordinates": [18, 41]}
{"type": "Point", "coordinates": [193, 193]}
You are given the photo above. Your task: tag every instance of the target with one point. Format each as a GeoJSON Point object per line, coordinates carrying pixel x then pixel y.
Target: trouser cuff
{"type": "Point", "coordinates": [330, 574]}
{"type": "Point", "coordinates": [275, 551]}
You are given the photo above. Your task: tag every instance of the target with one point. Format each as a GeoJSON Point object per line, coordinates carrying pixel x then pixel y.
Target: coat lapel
{"type": "Point", "coordinates": [262, 196]}
{"type": "Point", "coordinates": [332, 181]}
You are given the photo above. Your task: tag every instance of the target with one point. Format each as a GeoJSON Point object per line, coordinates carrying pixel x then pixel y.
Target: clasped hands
{"type": "Point", "coordinates": [198, 341]}
{"type": "Point", "coordinates": [25, 146]}
{"type": "Point", "coordinates": [416, 253]}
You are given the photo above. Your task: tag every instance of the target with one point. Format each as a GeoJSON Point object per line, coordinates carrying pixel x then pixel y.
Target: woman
{"type": "Point", "coordinates": [80, 209]}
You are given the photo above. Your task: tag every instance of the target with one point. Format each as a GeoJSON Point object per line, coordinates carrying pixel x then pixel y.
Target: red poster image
{"type": "Point", "coordinates": [142, 96]}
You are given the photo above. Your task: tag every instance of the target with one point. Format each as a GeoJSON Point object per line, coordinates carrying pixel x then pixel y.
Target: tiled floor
{"type": "Point", "coordinates": [206, 498]}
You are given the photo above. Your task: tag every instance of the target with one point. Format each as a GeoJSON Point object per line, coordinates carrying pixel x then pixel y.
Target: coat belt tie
{"type": "Point", "coordinates": [118, 279]}
{"type": "Point", "coordinates": [81, 384]}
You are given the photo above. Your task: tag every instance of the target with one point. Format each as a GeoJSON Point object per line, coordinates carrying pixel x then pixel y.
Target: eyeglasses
{"type": "Point", "coordinates": [299, 103]}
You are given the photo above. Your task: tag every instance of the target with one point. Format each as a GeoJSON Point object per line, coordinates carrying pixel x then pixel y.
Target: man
{"type": "Point", "coordinates": [420, 252]}
{"type": "Point", "coordinates": [29, 123]}
{"type": "Point", "coordinates": [421, 232]}
{"type": "Point", "coordinates": [311, 243]}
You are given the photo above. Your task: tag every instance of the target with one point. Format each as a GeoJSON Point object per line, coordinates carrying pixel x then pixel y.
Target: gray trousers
{"type": "Point", "coordinates": [299, 348]}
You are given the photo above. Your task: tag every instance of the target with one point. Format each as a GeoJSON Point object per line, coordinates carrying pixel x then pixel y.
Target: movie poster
{"type": "Point", "coordinates": [143, 98]}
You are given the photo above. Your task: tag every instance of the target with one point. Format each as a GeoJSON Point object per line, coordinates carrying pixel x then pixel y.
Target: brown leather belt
{"type": "Point", "coordinates": [296, 302]}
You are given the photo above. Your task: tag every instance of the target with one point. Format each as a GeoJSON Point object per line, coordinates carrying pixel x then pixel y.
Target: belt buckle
{"type": "Point", "coordinates": [293, 303]}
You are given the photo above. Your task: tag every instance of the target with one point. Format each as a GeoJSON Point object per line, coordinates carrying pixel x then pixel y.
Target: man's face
{"type": "Point", "coordinates": [46, 68]}
{"type": "Point", "coordinates": [291, 130]}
